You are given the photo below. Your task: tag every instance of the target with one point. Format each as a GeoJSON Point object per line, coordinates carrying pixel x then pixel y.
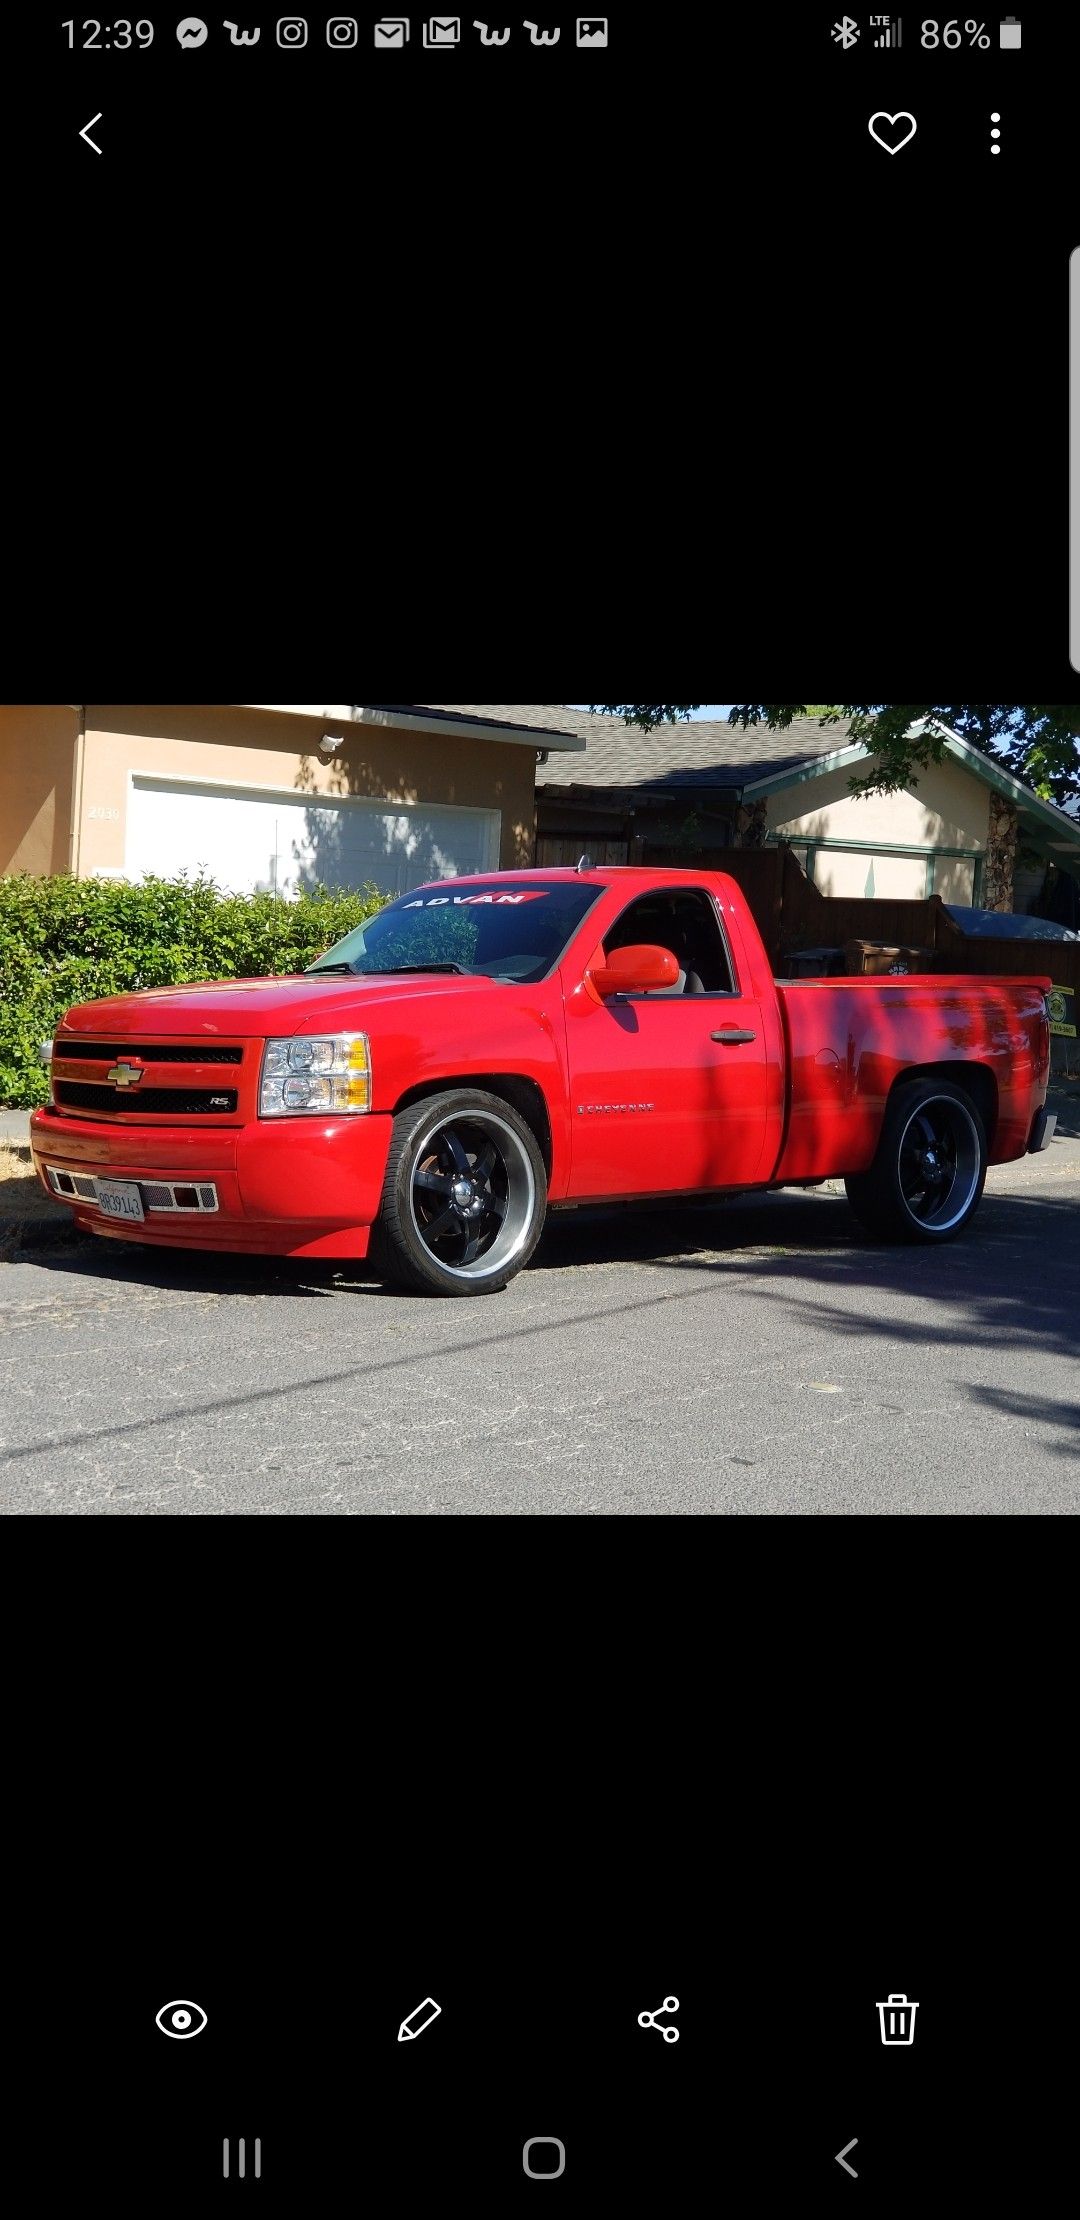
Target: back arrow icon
{"type": "Point", "coordinates": [87, 127]}
{"type": "Point", "coordinates": [841, 2158]}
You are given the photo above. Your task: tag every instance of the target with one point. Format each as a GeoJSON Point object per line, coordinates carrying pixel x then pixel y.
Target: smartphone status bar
{"type": "Point", "coordinates": [292, 34]}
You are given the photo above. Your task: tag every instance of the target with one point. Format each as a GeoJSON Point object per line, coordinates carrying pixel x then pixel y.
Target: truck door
{"type": "Point", "coordinates": [668, 1090]}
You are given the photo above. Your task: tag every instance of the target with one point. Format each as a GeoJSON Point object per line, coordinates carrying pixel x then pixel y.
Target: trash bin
{"type": "Point", "coordinates": [813, 963]}
{"type": "Point", "coordinates": [876, 959]}
{"type": "Point", "coordinates": [898, 2020]}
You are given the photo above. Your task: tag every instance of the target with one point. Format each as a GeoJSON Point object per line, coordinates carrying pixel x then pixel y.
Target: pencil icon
{"type": "Point", "coordinates": [418, 2020]}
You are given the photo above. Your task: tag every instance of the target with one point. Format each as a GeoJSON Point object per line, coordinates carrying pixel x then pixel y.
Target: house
{"type": "Point", "coordinates": [968, 832]}
{"type": "Point", "coordinates": [270, 795]}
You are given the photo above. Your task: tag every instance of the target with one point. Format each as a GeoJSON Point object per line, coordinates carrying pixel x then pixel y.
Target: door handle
{"type": "Point", "coordinates": [731, 1036]}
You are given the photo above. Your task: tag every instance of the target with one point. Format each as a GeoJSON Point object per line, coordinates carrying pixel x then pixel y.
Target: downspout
{"type": "Point", "coordinates": [75, 840]}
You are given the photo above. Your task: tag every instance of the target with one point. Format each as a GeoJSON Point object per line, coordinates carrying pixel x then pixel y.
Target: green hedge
{"type": "Point", "coordinates": [68, 940]}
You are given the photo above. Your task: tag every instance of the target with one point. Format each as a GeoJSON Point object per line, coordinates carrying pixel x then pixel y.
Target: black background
{"type": "Point", "coordinates": [761, 1773]}
{"type": "Point", "coordinates": [525, 348]}
{"type": "Point", "coordinates": [779, 2063]}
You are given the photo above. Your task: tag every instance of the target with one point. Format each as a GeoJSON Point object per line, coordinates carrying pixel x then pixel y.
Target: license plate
{"type": "Point", "coordinates": [119, 1198]}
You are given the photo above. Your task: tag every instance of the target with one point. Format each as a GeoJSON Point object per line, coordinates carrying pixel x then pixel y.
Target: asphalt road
{"type": "Point", "coordinates": [759, 1356]}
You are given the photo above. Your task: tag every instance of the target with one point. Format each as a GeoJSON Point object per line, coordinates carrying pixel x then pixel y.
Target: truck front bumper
{"type": "Point", "coordinates": [279, 1187]}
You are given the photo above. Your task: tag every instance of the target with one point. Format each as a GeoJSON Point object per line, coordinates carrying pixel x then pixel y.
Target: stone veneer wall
{"type": "Point", "coordinates": [999, 862]}
{"type": "Point", "coordinates": [752, 825]}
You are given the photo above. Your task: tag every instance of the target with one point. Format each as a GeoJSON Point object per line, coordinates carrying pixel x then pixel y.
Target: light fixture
{"type": "Point", "coordinates": [329, 744]}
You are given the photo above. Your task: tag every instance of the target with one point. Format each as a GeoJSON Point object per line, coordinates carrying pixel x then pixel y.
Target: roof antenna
{"type": "Point", "coordinates": [585, 863]}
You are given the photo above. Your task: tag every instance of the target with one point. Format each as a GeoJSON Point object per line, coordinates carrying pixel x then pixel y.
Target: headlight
{"type": "Point", "coordinates": [328, 1073]}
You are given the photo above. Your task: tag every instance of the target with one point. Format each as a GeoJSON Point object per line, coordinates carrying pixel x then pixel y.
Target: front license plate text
{"type": "Point", "coordinates": [118, 1198]}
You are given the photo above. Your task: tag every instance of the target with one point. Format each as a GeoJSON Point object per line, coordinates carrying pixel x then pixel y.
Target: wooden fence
{"type": "Point", "coordinates": [792, 914]}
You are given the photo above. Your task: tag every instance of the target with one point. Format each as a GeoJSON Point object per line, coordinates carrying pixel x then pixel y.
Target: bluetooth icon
{"type": "Point", "coordinates": [846, 33]}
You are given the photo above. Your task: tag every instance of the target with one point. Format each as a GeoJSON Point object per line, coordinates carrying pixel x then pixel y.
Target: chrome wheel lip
{"type": "Point", "coordinates": [521, 1206]}
{"type": "Point", "coordinates": [941, 1111]}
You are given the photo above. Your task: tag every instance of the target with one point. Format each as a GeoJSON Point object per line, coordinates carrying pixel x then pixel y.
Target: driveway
{"type": "Point", "coordinates": [759, 1356]}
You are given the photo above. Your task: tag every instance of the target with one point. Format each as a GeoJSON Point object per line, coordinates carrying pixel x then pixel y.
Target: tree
{"type": "Point", "coordinates": [1039, 745]}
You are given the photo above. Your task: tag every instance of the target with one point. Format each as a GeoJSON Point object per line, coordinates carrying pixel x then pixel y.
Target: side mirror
{"type": "Point", "coordinates": [636, 970]}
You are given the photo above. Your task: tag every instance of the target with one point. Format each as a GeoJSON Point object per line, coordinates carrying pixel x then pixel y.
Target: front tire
{"type": "Point", "coordinates": [464, 1198]}
{"type": "Point", "coordinates": [927, 1178]}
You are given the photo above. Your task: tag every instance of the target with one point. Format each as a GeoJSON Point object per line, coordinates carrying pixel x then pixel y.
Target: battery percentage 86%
{"type": "Point", "coordinates": [954, 34]}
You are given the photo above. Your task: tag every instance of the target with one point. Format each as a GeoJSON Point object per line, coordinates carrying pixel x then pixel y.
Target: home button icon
{"type": "Point", "coordinates": [549, 2155]}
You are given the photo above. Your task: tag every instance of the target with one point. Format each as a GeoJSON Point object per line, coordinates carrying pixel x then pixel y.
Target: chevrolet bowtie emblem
{"type": "Point", "coordinates": [125, 1075]}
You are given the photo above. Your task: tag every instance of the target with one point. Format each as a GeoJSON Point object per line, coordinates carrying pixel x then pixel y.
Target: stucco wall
{"type": "Point", "coordinates": [954, 879]}
{"type": "Point", "coordinates": [37, 768]}
{"type": "Point", "coordinates": [252, 748]}
{"type": "Point", "coordinates": [950, 809]}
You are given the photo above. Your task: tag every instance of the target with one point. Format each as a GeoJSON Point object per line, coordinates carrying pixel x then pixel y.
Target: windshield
{"type": "Point", "coordinates": [505, 931]}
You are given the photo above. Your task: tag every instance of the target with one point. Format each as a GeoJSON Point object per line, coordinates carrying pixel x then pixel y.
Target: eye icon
{"type": "Point", "coordinates": [181, 2019]}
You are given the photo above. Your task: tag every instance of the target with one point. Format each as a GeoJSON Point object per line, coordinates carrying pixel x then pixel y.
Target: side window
{"type": "Point", "coordinates": [687, 924]}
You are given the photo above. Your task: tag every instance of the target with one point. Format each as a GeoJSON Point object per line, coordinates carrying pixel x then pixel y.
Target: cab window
{"type": "Point", "coordinates": [686, 923]}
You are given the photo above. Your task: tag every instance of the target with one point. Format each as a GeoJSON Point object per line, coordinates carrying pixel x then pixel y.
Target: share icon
{"type": "Point", "coordinates": [652, 2019]}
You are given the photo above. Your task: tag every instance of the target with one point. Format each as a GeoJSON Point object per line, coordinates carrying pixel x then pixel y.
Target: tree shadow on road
{"type": "Point", "coordinates": [1010, 1285]}
{"type": "Point", "coordinates": [1037, 1410]}
{"type": "Point", "coordinates": [1012, 1280]}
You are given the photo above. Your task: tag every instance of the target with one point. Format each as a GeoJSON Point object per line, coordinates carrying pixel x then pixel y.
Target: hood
{"type": "Point", "coordinates": [234, 1007]}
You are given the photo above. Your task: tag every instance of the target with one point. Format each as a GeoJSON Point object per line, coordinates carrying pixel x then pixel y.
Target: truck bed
{"type": "Point", "coordinates": [848, 1040]}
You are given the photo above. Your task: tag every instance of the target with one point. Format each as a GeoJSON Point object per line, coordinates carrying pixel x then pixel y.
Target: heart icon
{"type": "Point", "coordinates": [895, 136]}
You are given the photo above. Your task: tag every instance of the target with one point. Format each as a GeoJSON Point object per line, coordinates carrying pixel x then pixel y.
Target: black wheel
{"type": "Point", "coordinates": [464, 1198]}
{"type": "Point", "coordinates": [927, 1177]}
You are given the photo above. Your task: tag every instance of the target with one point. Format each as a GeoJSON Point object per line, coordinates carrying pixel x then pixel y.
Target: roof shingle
{"type": "Point", "coordinates": [709, 753]}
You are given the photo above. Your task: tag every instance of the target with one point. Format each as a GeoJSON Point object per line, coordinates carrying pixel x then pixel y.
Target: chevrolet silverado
{"type": "Point", "coordinates": [483, 1050]}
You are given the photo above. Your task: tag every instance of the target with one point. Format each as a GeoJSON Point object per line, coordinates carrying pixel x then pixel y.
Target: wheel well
{"type": "Point", "coordinates": [975, 1080]}
{"type": "Point", "coordinates": [523, 1095]}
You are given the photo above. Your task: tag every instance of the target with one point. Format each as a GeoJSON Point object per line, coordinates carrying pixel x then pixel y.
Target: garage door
{"type": "Point", "coordinates": [258, 841]}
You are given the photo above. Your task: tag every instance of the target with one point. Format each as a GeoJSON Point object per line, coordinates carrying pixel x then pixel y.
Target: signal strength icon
{"type": "Point", "coordinates": [892, 30]}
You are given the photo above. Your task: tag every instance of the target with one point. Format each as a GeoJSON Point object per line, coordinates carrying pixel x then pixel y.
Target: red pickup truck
{"type": "Point", "coordinates": [486, 1049]}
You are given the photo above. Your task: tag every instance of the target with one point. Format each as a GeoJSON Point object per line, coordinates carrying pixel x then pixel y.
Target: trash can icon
{"type": "Point", "coordinates": [898, 2020]}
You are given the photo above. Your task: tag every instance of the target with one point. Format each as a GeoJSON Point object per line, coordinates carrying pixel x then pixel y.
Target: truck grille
{"type": "Point", "coordinates": [178, 1102]}
{"type": "Point", "coordinates": [150, 1052]}
{"type": "Point", "coordinates": [146, 1079]}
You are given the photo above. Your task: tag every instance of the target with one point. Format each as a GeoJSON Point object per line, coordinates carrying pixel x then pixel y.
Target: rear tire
{"type": "Point", "coordinates": [927, 1178]}
{"type": "Point", "coordinates": [464, 1198]}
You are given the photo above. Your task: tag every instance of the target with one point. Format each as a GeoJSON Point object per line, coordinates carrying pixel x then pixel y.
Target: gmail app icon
{"type": "Point", "coordinates": [392, 30]}
{"type": "Point", "coordinates": [442, 30]}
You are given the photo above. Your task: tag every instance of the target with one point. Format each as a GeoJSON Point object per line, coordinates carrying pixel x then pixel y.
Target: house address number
{"type": "Point", "coordinates": [98, 812]}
